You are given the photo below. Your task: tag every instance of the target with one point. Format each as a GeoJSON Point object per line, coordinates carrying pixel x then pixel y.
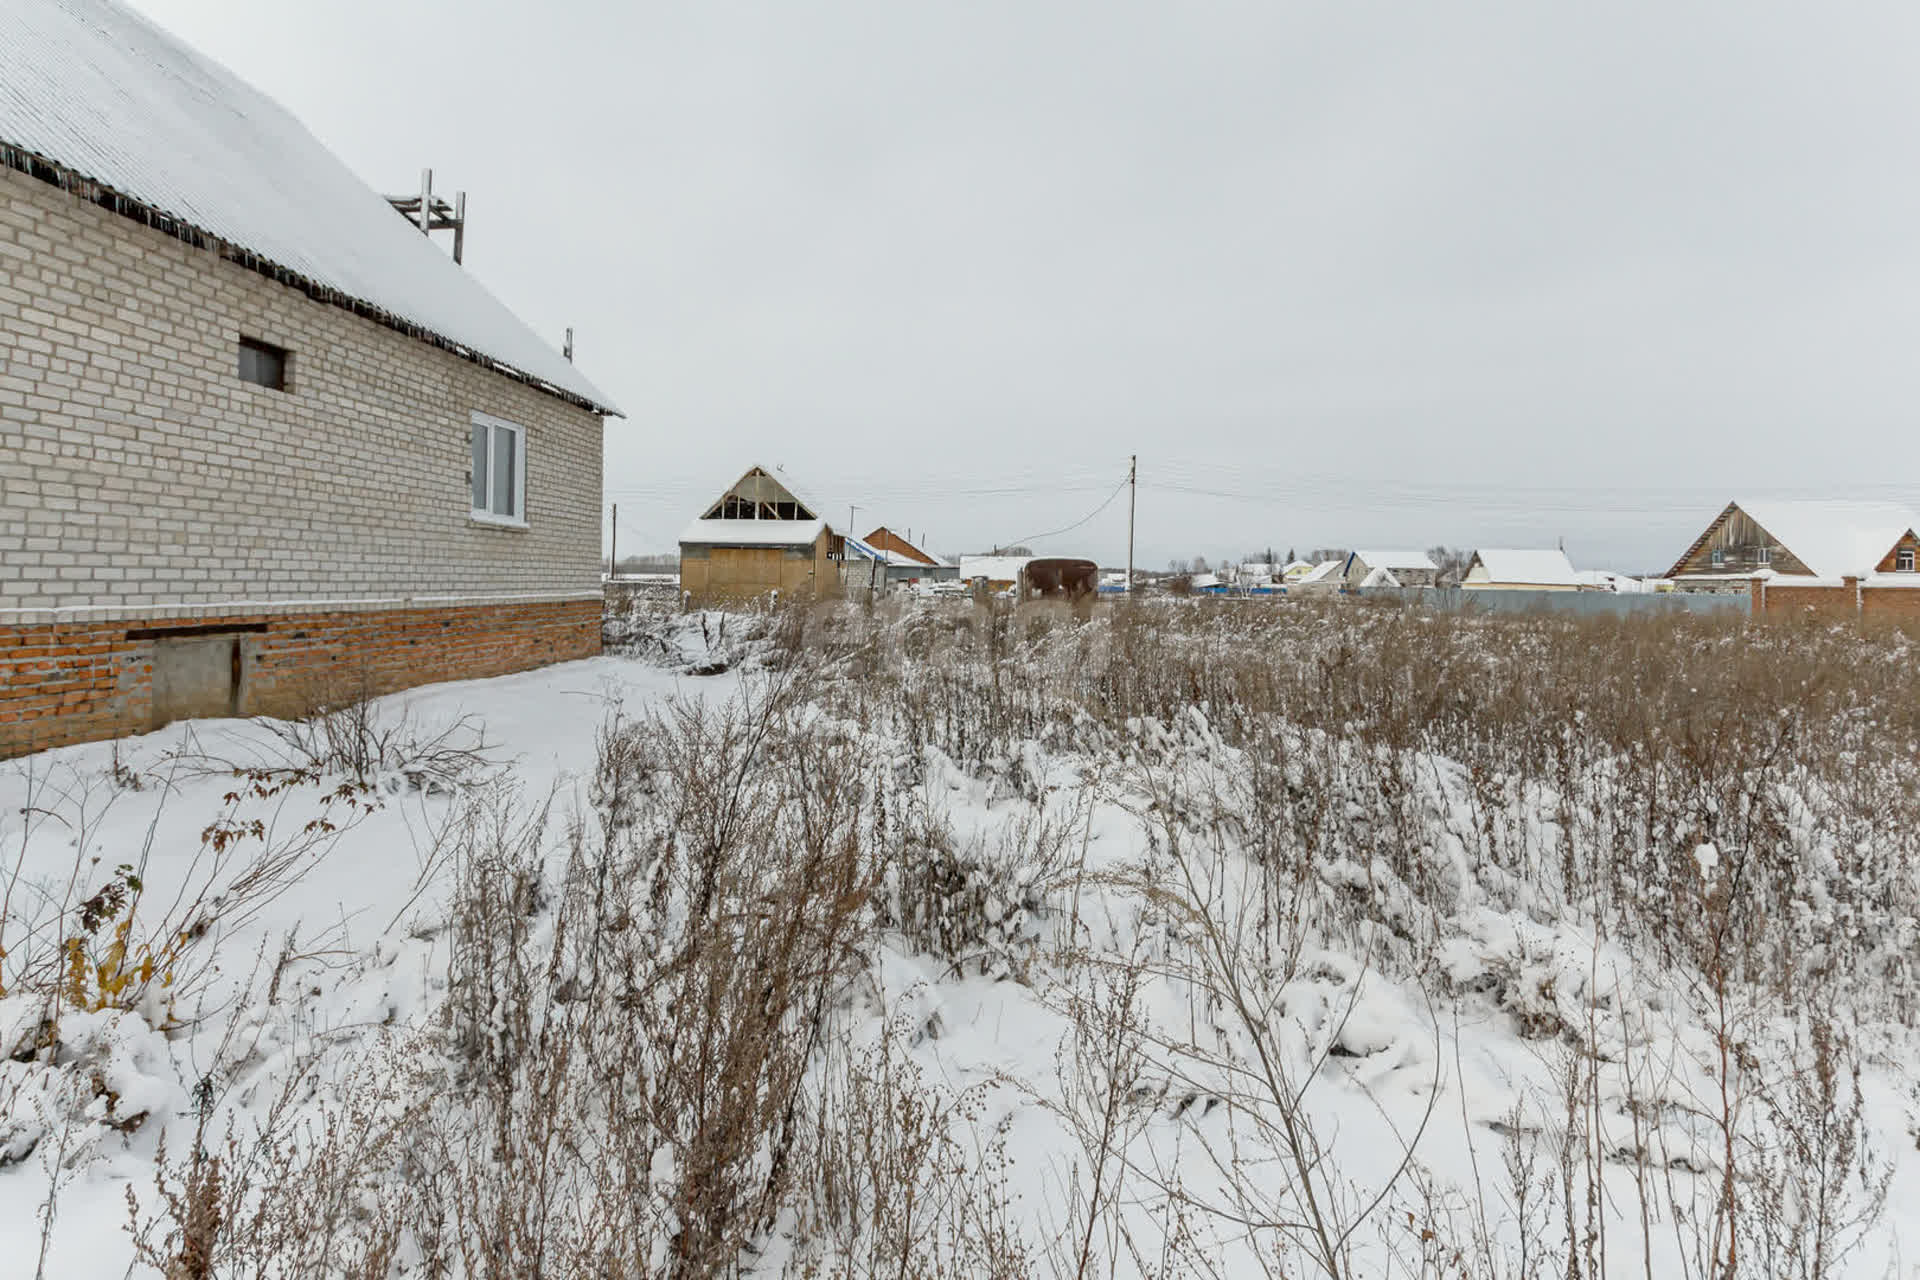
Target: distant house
{"type": "Point", "coordinates": [1322, 579]}
{"type": "Point", "coordinates": [1800, 544]}
{"type": "Point", "coordinates": [1505, 569]}
{"type": "Point", "coordinates": [756, 539]}
{"type": "Point", "coordinates": [906, 562]}
{"type": "Point", "coordinates": [1608, 580]}
{"type": "Point", "coordinates": [998, 573]}
{"type": "Point", "coordinates": [1408, 568]}
{"type": "Point", "coordinates": [1295, 570]}
{"type": "Point", "coordinates": [262, 443]}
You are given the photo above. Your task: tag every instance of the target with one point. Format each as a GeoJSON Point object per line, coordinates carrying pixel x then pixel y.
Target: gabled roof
{"type": "Point", "coordinates": [1395, 560]}
{"type": "Point", "coordinates": [867, 550]}
{"type": "Point", "coordinates": [1320, 572]}
{"type": "Point", "coordinates": [1544, 568]}
{"type": "Point", "coordinates": [1380, 577]}
{"type": "Point", "coordinates": [98, 99]}
{"type": "Point", "coordinates": [906, 552]}
{"type": "Point", "coordinates": [761, 496]}
{"type": "Point", "coordinates": [1834, 539]}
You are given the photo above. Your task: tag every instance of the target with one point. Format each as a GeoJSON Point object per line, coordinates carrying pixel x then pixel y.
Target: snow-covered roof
{"type": "Point", "coordinates": [97, 90]}
{"type": "Point", "coordinates": [1610, 580]}
{"type": "Point", "coordinates": [1548, 567]}
{"type": "Point", "coordinates": [1380, 577]}
{"type": "Point", "coordinates": [1834, 539]}
{"type": "Point", "coordinates": [1395, 560]}
{"type": "Point", "coordinates": [1201, 581]}
{"type": "Point", "coordinates": [993, 568]}
{"type": "Point", "coordinates": [753, 533]}
{"type": "Point", "coordinates": [1320, 572]}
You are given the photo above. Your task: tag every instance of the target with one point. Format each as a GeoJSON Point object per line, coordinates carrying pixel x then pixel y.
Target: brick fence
{"type": "Point", "coordinates": [64, 680]}
{"type": "Point", "coordinates": [1850, 598]}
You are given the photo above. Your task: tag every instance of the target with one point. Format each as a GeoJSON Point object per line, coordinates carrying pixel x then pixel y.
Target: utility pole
{"type": "Point", "coordinates": [613, 543]}
{"type": "Point", "coordinates": [850, 510]}
{"type": "Point", "coordinates": [1133, 493]}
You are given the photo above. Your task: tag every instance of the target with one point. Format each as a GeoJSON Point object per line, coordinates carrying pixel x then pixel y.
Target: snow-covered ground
{"type": "Point", "coordinates": [1158, 994]}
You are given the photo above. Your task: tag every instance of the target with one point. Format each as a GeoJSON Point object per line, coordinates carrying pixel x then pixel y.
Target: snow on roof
{"type": "Point", "coordinates": [753, 533]}
{"type": "Point", "coordinates": [992, 568]}
{"type": "Point", "coordinates": [1320, 572]}
{"type": "Point", "coordinates": [1380, 577]}
{"type": "Point", "coordinates": [1834, 539]}
{"type": "Point", "coordinates": [1623, 582]}
{"type": "Point", "coordinates": [1395, 560]}
{"type": "Point", "coordinates": [1548, 567]}
{"type": "Point", "coordinates": [98, 90]}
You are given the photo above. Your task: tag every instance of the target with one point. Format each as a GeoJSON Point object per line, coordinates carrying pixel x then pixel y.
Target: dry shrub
{"type": "Point", "coordinates": [628, 1058]}
{"type": "Point", "coordinates": [900, 1185]}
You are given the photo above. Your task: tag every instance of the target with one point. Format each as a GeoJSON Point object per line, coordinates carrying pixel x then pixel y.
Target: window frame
{"type": "Point", "coordinates": [263, 347]}
{"type": "Point", "coordinates": [1763, 555]}
{"type": "Point", "coordinates": [1903, 559]}
{"type": "Point", "coordinates": [494, 425]}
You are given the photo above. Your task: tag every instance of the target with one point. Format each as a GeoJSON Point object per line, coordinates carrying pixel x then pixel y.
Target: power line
{"type": "Point", "coordinates": [1042, 537]}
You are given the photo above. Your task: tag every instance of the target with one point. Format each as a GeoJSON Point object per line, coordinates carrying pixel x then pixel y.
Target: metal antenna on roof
{"type": "Point", "coordinates": [430, 214]}
{"type": "Point", "coordinates": [567, 350]}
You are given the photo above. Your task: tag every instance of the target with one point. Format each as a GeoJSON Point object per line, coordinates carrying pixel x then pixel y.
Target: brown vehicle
{"type": "Point", "coordinates": [1059, 577]}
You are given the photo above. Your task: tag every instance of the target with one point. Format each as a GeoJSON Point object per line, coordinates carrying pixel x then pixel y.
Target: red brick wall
{"type": "Point", "coordinates": [1848, 601]}
{"type": "Point", "coordinates": [67, 682]}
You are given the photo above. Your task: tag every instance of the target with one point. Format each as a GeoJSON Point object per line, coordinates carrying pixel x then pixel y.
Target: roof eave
{"type": "Point", "coordinates": [32, 163]}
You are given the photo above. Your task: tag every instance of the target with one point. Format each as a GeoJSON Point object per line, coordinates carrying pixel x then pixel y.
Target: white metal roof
{"type": "Point", "coordinates": [1834, 539]}
{"type": "Point", "coordinates": [98, 90]}
{"type": "Point", "coordinates": [1548, 567]}
{"type": "Point", "coordinates": [993, 568]}
{"type": "Point", "coordinates": [1395, 560]}
{"type": "Point", "coordinates": [1380, 576]}
{"type": "Point", "coordinates": [1320, 572]}
{"type": "Point", "coordinates": [753, 533]}
{"type": "Point", "coordinates": [1622, 582]}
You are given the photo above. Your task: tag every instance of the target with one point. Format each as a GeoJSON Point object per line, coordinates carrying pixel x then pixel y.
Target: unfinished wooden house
{"type": "Point", "coordinates": [758, 539]}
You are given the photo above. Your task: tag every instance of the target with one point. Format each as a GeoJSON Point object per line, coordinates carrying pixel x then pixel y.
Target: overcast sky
{"type": "Point", "coordinates": [1340, 273]}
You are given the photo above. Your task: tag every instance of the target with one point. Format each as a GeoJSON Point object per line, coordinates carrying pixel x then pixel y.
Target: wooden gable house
{"type": "Point", "coordinates": [1830, 541]}
{"type": "Point", "coordinates": [758, 538]}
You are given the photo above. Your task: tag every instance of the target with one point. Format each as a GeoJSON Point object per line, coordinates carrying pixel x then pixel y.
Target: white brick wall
{"type": "Point", "coordinates": [136, 469]}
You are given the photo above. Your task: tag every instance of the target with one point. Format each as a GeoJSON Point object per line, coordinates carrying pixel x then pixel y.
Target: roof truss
{"type": "Point", "coordinates": [758, 496]}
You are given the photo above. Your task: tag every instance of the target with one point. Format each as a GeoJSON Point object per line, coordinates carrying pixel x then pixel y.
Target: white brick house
{"type": "Point", "coordinates": [249, 415]}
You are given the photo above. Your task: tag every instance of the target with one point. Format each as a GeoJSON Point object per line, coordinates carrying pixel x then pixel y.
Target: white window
{"type": "Point", "coordinates": [1719, 556]}
{"type": "Point", "coordinates": [1903, 560]}
{"type": "Point", "coordinates": [1763, 555]}
{"type": "Point", "coordinates": [499, 470]}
